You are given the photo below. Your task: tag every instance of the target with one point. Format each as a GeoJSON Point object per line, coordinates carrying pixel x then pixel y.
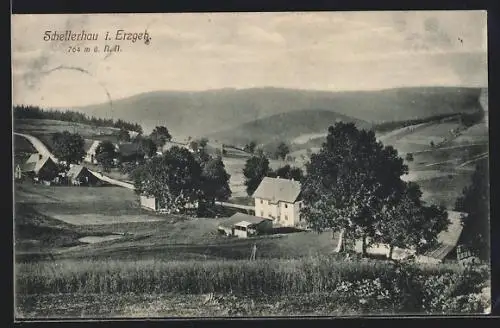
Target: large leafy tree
{"type": "Point", "coordinates": [215, 182]}
{"type": "Point", "coordinates": [288, 172]}
{"type": "Point", "coordinates": [146, 145]}
{"type": "Point", "coordinates": [475, 202]}
{"type": "Point", "coordinates": [174, 179]}
{"type": "Point", "coordinates": [282, 150]}
{"type": "Point", "coordinates": [348, 181]}
{"type": "Point", "coordinates": [105, 154]}
{"type": "Point", "coordinates": [160, 135]}
{"type": "Point", "coordinates": [124, 135]}
{"type": "Point", "coordinates": [250, 147]}
{"type": "Point", "coordinates": [256, 168]}
{"type": "Point", "coordinates": [406, 222]}
{"type": "Point", "coordinates": [68, 147]}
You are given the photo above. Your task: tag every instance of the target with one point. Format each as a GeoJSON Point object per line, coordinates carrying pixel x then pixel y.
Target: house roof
{"type": "Point", "coordinates": [244, 224]}
{"type": "Point", "coordinates": [33, 158]}
{"type": "Point", "coordinates": [277, 189]}
{"type": "Point", "coordinates": [447, 239]}
{"type": "Point", "coordinates": [238, 218]}
{"type": "Point", "coordinates": [35, 163]}
{"type": "Point", "coordinates": [28, 167]}
{"type": "Point", "coordinates": [75, 170]}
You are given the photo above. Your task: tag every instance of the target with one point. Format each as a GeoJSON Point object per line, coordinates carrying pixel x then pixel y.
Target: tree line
{"type": "Point", "coordinates": [468, 119]}
{"type": "Point", "coordinates": [35, 112]}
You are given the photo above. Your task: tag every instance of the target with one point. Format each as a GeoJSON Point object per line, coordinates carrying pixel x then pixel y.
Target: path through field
{"type": "Point", "coordinates": [39, 146]}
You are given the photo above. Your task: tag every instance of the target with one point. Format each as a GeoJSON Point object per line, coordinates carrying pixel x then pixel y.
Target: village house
{"type": "Point", "coordinates": [243, 226]}
{"type": "Point", "coordinates": [279, 200]}
{"type": "Point", "coordinates": [40, 167]}
{"type": "Point", "coordinates": [79, 175]}
{"type": "Point", "coordinates": [448, 247]}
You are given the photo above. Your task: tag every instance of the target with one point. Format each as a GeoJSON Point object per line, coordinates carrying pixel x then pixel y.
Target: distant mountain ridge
{"type": "Point", "coordinates": [285, 126]}
{"type": "Point", "coordinates": [209, 112]}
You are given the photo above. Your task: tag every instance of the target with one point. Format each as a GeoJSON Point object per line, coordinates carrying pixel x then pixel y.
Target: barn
{"type": "Point", "coordinates": [244, 225]}
{"type": "Point", "coordinates": [448, 247]}
{"type": "Point", "coordinates": [41, 167]}
{"type": "Point", "coordinates": [79, 175]}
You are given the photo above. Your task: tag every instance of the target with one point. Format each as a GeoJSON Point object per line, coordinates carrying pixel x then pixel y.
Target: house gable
{"type": "Point", "coordinates": [276, 190]}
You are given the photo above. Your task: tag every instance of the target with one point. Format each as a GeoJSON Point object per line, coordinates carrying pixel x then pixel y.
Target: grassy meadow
{"type": "Point", "coordinates": [344, 287]}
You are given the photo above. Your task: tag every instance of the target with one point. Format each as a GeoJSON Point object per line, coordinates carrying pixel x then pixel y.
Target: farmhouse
{"type": "Point", "coordinates": [79, 175]}
{"type": "Point", "coordinates": [40, 167]}
{"type": "Point", "coordinates": [279, 200]}
{"type": "Point", "coordinates": [448, 247]}
{"type": "Point", "coordinates": [244, 226]}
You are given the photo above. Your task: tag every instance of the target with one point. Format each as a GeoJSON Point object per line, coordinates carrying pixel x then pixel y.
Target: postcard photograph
{"type": "Point", "coordinates": [250, 164]}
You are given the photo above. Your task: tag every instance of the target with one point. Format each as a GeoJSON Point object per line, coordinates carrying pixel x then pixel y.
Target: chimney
{"type": "Point", "coordinates": [39, 157]}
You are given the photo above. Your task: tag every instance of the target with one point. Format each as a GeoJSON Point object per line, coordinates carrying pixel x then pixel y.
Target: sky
{"type": "Point", "coordinates": [332, 51]}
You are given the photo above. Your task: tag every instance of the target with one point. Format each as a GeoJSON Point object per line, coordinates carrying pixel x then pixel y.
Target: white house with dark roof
{"type": "Point", "coordinates": [279, 200]}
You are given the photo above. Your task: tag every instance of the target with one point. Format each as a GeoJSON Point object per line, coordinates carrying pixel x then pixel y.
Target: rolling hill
{"type": "Point", "coordinates": [284, 126]}
{"type": "Point", "coordinates": [207, 112]}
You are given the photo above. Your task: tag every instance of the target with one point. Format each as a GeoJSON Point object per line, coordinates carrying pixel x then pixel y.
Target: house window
{"type": "Point", "coordinates": [262, 213]}
{"type": "Point", "coordinates": [261, 201]}
{"type": "Point", "coordinates": [286, 217]}
{"type": "Point", "coordinates": [286, 205]}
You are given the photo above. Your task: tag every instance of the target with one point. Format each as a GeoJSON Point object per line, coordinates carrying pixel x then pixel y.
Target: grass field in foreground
{"type": "Point", "coordinates": [319, 286]}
